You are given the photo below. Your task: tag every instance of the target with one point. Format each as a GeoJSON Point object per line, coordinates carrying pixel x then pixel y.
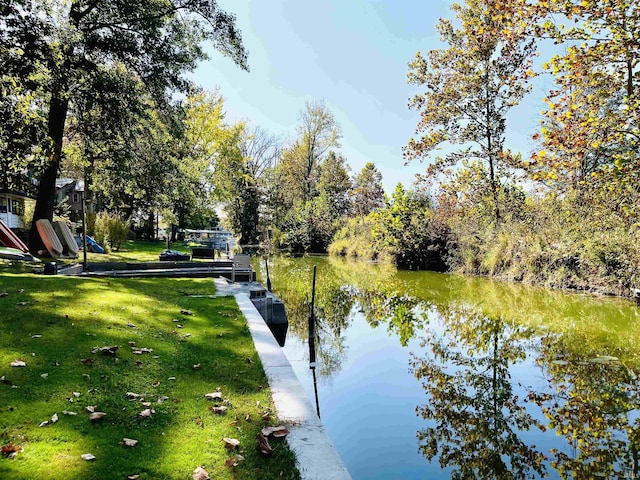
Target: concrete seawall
{"type": "Point", "coordinates": [316, 455]}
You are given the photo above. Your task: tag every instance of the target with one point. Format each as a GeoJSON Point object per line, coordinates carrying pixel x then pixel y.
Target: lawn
{"type": "Point", "coordinates": [186, 346]}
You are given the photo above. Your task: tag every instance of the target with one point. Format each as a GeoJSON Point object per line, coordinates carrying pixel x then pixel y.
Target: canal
{"type": "Point", "coordinates": [422, 375]}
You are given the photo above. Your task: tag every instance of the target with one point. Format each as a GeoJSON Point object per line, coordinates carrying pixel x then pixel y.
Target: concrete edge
{"type": "Point", "coordinates": [316, 456]}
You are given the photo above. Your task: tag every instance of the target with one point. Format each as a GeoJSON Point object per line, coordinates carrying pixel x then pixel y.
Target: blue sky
{"type": "Point", "coordinates": [353, 54]}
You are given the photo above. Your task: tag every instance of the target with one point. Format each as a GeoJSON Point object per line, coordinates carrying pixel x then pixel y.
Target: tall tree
{"type": "Point", "coordinates": [470, 87]}
{"type": "Point", "coordinates": [155, 39]}
{"type": "Point", "coordinates": [367, 194]}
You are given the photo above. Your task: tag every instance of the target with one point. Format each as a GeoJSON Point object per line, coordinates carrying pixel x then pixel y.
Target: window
{"type": "Point", "coordinates": [17, 207]}
{"type": "Point", "coordinates": [3, 205]}
{"type": "Point", "coordinates": [76, 197]}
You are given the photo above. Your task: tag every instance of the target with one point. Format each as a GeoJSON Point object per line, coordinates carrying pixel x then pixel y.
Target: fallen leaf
{"type": "Point", "coordinates": [87, 361]}
{"type": "Point", "coordinates": [132, 396]}
{"type": "Point", "coordinates": [186, 312]}
{"type": "Point", "coordinates": [44, 424]}
{"type": "Point", "coordinates": [214, 396]}
{"type": "Point", "coordinates": [146, 404]}
{"type": "Point", "coordinates": [133, 477]}
{"type": "Point", "coordinates": [234, 461]}
{"type": "Point", "coordinates": [277, 432]}
{"type": "Point", "coordinates": [218, 410]}
{"type": "Point", "coordinates": [131, 325]}
{"type": "Point", "coordinates": [129, 442]}
{"type": "Point", "coordinates": [87, 457]}
{"type": "Point", "coordinates": [263, 444]}
{"type": "Point", "coordinates": [76, 394]}
{"type": "Point", "coordinates": [37, 335]}
{"type": "Point", "coordinates": [54, 418]}
{"type": "Point", "coordinates": [67, 412]}
{"type": "Point", "coordinates": [180, 326]}
{"type": "Point", "coordinates": [231, 443]}
{"type": "Point", "coordinates": [162, 399]}
{"type": "Point", "coordinates": [200, 474]}
{"type": "Point", "coordinates": [44, 375]}
{"type": "Point", "coordinates": [146, 413]}
{"type": "Point", "coordinates": [3, 294]}
{"type": "Point", "coordinates": [110, 350]}
{"type": "Point", "coordinates": [171, 378]}
{"type": "Point", "coordinates": [188, 335]}
{"type": "Point", "coordinates": [197, 366]}
{"type": "Point", "coordinates": [156, 383]}
{"type": "Point", "coordinates": [95, 416]}
{"type": "Point", "coordinates": [10, 450]}
{"type": "Point", "coordinates": [19, 363]}
{"type": "Point", "coordinates": [132, 344]}
{"type": "Point", "coordinates": [23, 304]}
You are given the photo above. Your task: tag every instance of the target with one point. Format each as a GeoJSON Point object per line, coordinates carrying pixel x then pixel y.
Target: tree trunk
{"type": "Point", "coordinates": [47, 187]}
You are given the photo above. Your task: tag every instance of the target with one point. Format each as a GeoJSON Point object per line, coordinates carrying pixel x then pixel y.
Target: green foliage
{"type": "Point", "coordinates": [355, 240]}
{"type": "Point", "coordinates": [367, 194]}
{"type": "Point", "coordinates": [407, 230]}
{"type": "Point", "coordinates": [110, 230]}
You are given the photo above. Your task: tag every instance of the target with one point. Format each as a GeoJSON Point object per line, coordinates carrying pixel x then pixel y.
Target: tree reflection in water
{"type": "Point", "coordinates": [478, 419]}
{"type": "Point", "coordinates": [594, 402]}
{"type": "Point", "coordinates": [477, 415]}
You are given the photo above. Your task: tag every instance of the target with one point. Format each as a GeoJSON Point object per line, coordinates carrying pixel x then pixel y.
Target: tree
{"type": "Point", "coordinates": [156, 40]}
{"type": "Point", "coordinates": [471, 85]}
{"type": "Point", "coordinates": [367, 194]}
{"type": "Point", "coordinates": [591, 128]}
{"type": "Point", "coordinates": [318, 132]}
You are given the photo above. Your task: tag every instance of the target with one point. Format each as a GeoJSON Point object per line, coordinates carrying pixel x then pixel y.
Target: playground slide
{"type": "Point", "coordinates": [49, 237]}
{"type": "Point", "coordinates": [66, 238]}
{"type": "Point", "coordinates": [7, 253]}
{"type": "Point", "coordinates": [10, 239]}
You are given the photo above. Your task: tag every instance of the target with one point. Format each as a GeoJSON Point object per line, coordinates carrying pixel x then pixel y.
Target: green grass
{"type": "Point", "coordinates": [75, 315]}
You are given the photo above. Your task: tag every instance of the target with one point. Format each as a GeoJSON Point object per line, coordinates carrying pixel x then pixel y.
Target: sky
{"type": "Point", "coordinates": [351, 54]}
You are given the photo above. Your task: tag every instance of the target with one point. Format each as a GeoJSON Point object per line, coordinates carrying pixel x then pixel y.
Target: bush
{"type": "Point", "coordinates": [110, 230]}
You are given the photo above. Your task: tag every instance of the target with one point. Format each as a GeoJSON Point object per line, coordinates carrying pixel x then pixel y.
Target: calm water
{"type": "Point", "coordinates": [423, 375]}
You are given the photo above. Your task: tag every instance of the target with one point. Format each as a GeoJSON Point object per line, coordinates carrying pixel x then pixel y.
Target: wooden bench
{"type": "Point", "coordinates": [240, 262]}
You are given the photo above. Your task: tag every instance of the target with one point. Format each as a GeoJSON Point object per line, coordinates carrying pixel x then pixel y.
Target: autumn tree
{"type": "Point", "coordinates": [367, 194]}
{"type": "Point", "coordinates": [156, 40]}
{"type": "Point", "coordinates": [470, 87]}
{"type": "Point", "coordinates": [590, 131]}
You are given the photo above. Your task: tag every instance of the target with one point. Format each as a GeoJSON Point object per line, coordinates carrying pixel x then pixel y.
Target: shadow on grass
{"type": "Point", "coordinates": [54, 324]}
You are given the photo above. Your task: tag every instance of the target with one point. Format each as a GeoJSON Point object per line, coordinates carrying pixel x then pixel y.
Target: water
{"type": "Point", "coordinates": [424, 375]}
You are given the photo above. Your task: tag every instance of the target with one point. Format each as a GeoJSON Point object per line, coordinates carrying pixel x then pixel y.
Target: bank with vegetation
{"type": "Point", "coordinates": [560, 211]}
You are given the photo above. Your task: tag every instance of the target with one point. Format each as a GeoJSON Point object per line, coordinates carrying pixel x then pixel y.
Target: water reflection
{"type": "Point", "coordinates": [572, 411]}
{"type": "Point", "coordinates": [477, 417]}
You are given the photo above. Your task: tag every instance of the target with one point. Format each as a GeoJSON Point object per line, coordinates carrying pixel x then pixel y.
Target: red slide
{"type": "Point", "coordinates": [10, 239]}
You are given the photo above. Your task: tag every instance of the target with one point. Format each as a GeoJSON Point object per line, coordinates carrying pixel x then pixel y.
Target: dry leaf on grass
{"type": "Point", "coordinates": [277, 432]}
{"type": "Point", "coordinates": [87, 457]}
{"type": "Point", "coordinates": [162, 399]}
{"type": "Point", "coordinates": [197, 366]}
{"type": "Point", "coordinates": [200, 474]}
{"type": "Point", "coordinates": [67, 412]}
{"type": "Point", "coordinates": [18, 363]}
{"type": "Point", "coordinates": [129, 442]}
{"type": "Point", "coordinates": [87, 361]}
{"type": "Point", "coordinates": [37, 335]}
{"type": "Point", "coordinates": [146, 413]}
{"type": "Point", "coordinates": [231, 443]}
{"type": "Point", "coordinates": [186, 312]}
{"type": "Point", "coordinates": [234, 461]}
{"type": "Point", "coordinates": [10, 450]}
{"type": "Point", "coordinates": [263, 444]}
{"type": "Point", "coordinates": [133, 477]}
{"type": "Point", "coordinates": [91, 408]}
{"type": "Point", "coordinates": [95, 416]}
{"type": "Point", "coordinates": [132, 396]}
{"type": "Point", "coordinates": [54, 418]}
{"type": "Point", "coordinates": [218, 410]}
{"type": "Point", "coordinates": [213, 396]}
{"type": "Point", "coordinates": [110, 350]}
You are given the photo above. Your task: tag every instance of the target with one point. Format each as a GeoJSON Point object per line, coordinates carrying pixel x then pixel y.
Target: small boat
{"type": "Point", "coordinates": [49, 237]}
{"type": "Point", "coordinates": [10, 239]}
{"type": "Point", "coordinates": [8, 253]}
{"type": "Point", "coordinates": [66, 238]}
{"type": "Point", "coordinates": [94, 246]}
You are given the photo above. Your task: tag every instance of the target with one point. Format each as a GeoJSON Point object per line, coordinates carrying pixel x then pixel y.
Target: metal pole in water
{"type": "Point", "coordinates": [312, 340]}
{"type": "Point", "coordinates": [266, 264]}
{"type": "Point", "coordinates": [312, 324]}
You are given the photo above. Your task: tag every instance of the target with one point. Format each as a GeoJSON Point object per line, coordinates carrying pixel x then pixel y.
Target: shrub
{"type": "Point", "coordinates": [110, 230]}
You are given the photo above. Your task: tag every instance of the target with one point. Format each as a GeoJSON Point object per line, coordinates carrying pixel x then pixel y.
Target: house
{"type": "Point", "coordinates": [12, 205]}
{"type": "Point", "coordinates": [70, 191]}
